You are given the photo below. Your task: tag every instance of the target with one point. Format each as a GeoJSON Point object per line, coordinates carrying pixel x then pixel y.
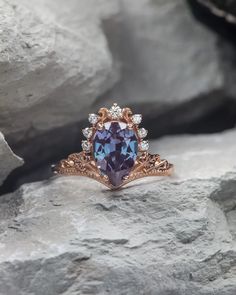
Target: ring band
{"type": "Point", "coordinates": [114, 152]}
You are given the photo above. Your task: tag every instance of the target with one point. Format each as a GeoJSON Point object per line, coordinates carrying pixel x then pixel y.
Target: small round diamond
{"type": "Point", "coordinates": [144, 145]}
{"type": "Point", "coordinates": [86, 145]}
{"type": "Point", "coordinates": [136, 119]}
{"type": "Point", "coordinates": [93, 118]}
{"type": "Point", "coordinates": [87, 132]}
{"type": "Point", "coordinates": [115, 112]}
{"type": "Point", "coordinates": [142, 132]}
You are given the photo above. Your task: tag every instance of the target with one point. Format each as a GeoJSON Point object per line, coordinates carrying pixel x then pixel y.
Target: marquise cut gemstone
{"type": "Point", "coordinates": [115, 149]}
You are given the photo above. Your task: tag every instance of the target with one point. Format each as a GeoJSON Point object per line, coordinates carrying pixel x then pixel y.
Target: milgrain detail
{"type": "Point", "coordinates": [84, 165]}
{"type": "Point", "coordinates": [144, 163]}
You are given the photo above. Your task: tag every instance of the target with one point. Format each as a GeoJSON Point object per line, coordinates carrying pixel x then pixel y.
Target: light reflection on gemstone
{"type": "Point", "coordinates": [93, 118]}
{"type": "Point", "coordinates": [115, 150]}
{"type": "Point", "coordinates": [137, 118]}
{"type": "Point", "coordinates": [86, 145]}
{"type": "Point", "coordinates": [87, 132]}
{"type": "Point", "coordinates": [144, 145]}
{"type": "Point", "coordinates": [115, 111]}
{"type": "Point", "coordinates": [142, 132]}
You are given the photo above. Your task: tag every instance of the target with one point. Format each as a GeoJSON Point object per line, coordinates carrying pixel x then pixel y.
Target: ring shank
{"type": "Point", "coordinates": [82, 164]}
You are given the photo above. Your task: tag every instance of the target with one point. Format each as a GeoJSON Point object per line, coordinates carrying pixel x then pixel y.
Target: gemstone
{"type": "Point", "coordinates": [115, 150]}
{"type": "Point", "coordinates": [136, 119]}
{"type": "Point", "coordinates": [86, 145]}
{"type": "Point", "coordinates": [115, 112]}
{"type": "Point", "coordinates": [93, 118]}
{"type": "Point", "coordinates": [144, 145]}
{"type": "Point", "coordinates": [142, 132]}
{"type": "Point", "coordinates": [87, 132]}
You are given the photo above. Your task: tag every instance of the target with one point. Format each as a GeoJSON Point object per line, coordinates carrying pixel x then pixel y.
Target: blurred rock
{"type": "Point", "coordinates": [9, 161]}
{"type": "Point", "coordinates": [158, 236]}
{"type": "Point", "coordinates": [54, 63]}
{"type": "Point", "coordinates": [170, 63]}
{"type": "Point", "coordinates": [61, 59]}
{"type": "Point", "coordinates": [222, 8]}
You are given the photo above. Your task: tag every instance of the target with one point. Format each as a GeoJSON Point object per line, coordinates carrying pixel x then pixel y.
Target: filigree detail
{"type": "Point", "coordinates": [83, 163]}
{"type": "Point", "coordinates": [74, 163]}
{"type": "Point", "coordinates": [149, 165]}
{"type": "Point", "coordinates": [153, 163]}
{"type": "Point", "coordinates": [80, 164]}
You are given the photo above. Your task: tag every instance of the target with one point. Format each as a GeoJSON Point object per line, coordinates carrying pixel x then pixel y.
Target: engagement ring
{"type": "Point", "coordinates": [114, 152]}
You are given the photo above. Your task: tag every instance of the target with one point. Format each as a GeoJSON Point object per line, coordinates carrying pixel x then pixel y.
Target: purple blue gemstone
{"type": "Point", "coordinates": [115, 150]}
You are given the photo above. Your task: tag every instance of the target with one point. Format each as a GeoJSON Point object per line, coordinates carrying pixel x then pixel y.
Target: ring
{"type": "Point", "coordinates": [114, 152]}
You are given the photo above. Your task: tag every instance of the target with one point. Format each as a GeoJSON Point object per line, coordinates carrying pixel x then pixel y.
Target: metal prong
{"type": "Point", "coordinates": [130, 126]}
{"type": "Point", "coordinates": [100, 126]}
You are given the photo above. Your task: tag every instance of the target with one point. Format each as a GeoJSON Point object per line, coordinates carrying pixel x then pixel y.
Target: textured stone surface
{"type": "Point", "coordinates": [8, 160]}
{"type": "Point", "coordinates": [175, 235]}
{"type": "Point", "coordinates": [171, 63]}
{"type": "Point", "coordinates": [54, 62]}
{"type": "Point", "coordinates": [164, 58]}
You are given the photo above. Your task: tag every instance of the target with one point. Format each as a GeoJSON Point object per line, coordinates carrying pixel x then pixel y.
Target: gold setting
{"type": "Point", "coordinates": [84, 164]}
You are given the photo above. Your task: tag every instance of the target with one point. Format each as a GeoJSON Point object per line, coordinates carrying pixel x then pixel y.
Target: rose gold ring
{"type": "Point", "coordinates": [114, 152]}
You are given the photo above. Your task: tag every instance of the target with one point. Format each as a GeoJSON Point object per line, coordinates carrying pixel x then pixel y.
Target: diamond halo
{"type": "Point", "coordinates": [115, 144]}
{"type": "Point", "coordinates": [114, 151]}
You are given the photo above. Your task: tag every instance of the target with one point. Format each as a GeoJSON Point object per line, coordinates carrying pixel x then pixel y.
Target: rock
{"type": "Point", "coordinates": [171, 64]}
{"type": "Point", "coordinates": [176, 235]}
{"type": "Point", "coordinates": [61, 59]}
{"type": "Point", "coordinates": [9, 161]}
{"type": "Point", "coordinates": [54, 63]}
{"type": "Point", "coordinates": [222, 8]}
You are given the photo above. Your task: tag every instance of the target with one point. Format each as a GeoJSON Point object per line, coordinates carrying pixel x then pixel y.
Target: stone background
{"type": "Point", "coordinates": [174, 61]}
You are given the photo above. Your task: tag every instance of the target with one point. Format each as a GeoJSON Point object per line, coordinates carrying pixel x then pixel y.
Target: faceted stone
{"type": "Point", "coordinates": [136, 119]}
{"type": "Point", "coordinates": [142, 132]}
{"type": "Point", "coordinates": [115, 149]}
{"type": "Point", "coordinates": [115, 111]}
{"type": "Point", "coordinates": [144, 145]}
{"type": "Point", "coordinates": [87, 132]}
{"type": "Point", "coordinates": [86, 145]}
{"type": "Point", "coordinates": [93, 118]}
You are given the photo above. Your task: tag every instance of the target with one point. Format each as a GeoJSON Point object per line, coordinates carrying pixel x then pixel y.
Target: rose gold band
{"type": "Point", "coordinates": [83, 164]}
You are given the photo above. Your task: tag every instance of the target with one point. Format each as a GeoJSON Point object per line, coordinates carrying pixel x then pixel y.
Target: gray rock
{"type": "Point", "coordinates": [159, 236]}
{"type": "Point", "coordinates": [58, 58]}
{"type": "Point", "coordinates": [170, 62]}
{"type": "Point", "coordinates": [54, 63]}
{"type": "Point", "coordinates": [222, 8]}
{"type": "Point", "coordinates": [9, 161]}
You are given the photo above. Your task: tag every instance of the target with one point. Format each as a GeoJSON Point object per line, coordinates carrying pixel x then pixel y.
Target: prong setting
{"type": "Point", "coordinates": [144, 145]}
{"type": "Point", "coordinates": [136, 119]}
{"type": "Point", "coordinates": [100, 126]}
{"type": "Point", "coordinates": [87, 132]}
{"type": "Point", "coordinates": [130, 126]}
{"type": "Point", "coordinates": [93, 118]}
{"type": "Point", "coordinates": [113, 132]}
{"type": "Point", "coordinates": [86, 146]}
{"type": "Point", "coordinates": [142, 132]}
{"type": "Point", "coordinates": [115, 112]}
